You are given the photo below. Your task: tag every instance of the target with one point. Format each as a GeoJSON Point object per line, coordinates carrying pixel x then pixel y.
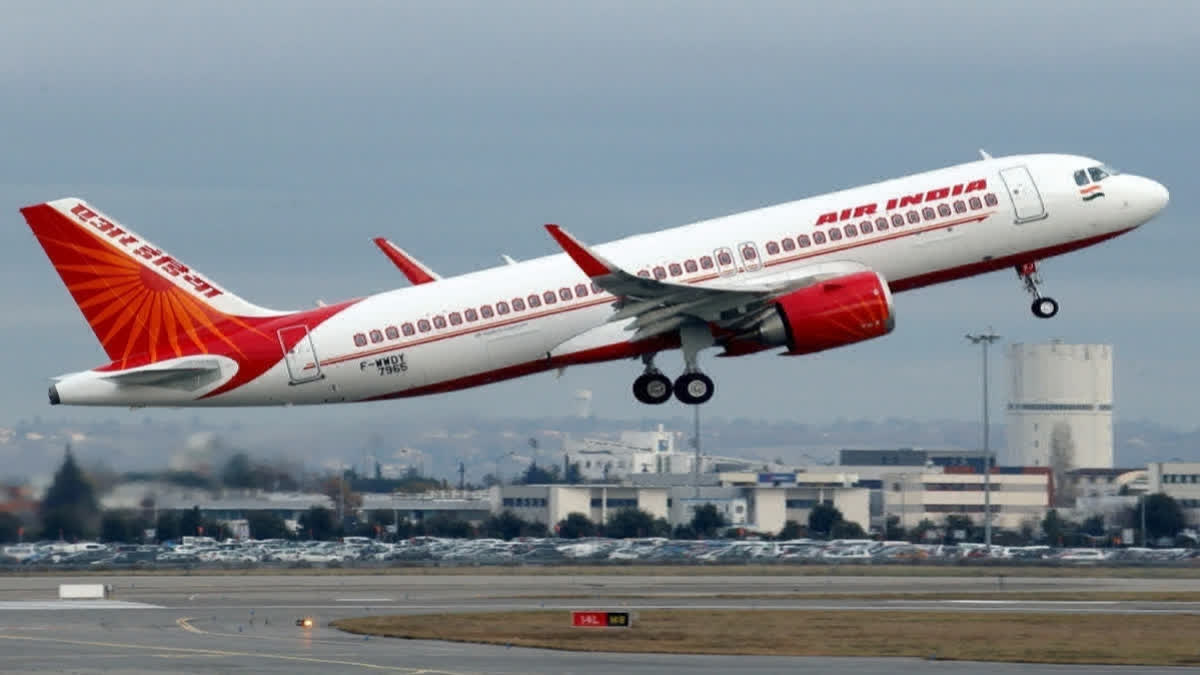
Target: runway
{"type": "Point", "coordinates": [247, 623]}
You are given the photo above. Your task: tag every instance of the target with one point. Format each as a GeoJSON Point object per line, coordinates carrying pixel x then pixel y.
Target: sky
{"type": "Point", "coordinates": [266, 143]}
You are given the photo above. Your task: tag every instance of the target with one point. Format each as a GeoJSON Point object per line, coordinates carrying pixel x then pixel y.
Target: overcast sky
{"type": "Point", "coordinates": [265, 144]}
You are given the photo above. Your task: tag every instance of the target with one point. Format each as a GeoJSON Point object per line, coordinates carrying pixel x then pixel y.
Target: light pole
{"type": "Point", "coordinates": [986, 339]}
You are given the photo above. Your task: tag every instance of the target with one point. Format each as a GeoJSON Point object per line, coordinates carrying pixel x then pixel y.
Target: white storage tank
{"type": "Point", "coordinates": [1060, 406]}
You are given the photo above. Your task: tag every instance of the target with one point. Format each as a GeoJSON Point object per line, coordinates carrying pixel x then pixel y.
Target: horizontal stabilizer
{"type": "Point", "coordinates": [186, 374]}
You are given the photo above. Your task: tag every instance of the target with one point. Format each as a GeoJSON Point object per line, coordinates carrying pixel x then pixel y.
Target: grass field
{"type": "Point", "coordinates": [851, 570]}
{"type": "Point", "coordinates": [1047, 596]}
{"type": "Point", "coordinates": [1038, 638]}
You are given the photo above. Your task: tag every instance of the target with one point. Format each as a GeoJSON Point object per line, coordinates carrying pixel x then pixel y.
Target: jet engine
{"type": "Point", "coordinates": [830, 313]}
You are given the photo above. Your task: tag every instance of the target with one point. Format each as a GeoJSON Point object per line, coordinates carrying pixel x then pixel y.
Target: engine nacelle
{"type": "Point", "coordinates": [831, 313]}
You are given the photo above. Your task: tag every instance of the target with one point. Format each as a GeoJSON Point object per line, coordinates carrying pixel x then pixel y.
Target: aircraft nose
{"type": "Point", "coordinates": [1158, 195]}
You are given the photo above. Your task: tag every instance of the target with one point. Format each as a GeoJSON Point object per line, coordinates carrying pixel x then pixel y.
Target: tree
{"type": "Point", "coordinates": [707, 521]}
{"type": "Point", "coordinates": [10, 527]}
{"type": "Point", "coordinates": [505, 525]}
{"type": "Point", "coordinates": [1062, 459]}
{"type": "Point", "coordinates": [576, 526]}
{"type": "Point", "coordinates": [845, 529]}
{"type": "Point", "coordinates": [317, 523]}
{"type": "Point", "coordinates": [683, 531]}
{"type": "Point", "coordinates": [1054, 528]}
{"type": "Point", "coordinates": [266, 525]}
{"type": "Point", "coordinates": [959, 528]}
{"type": "Point", "coordinates": [925, 530]}
{"type": "Point", "coordinates": [69, 509]}
{"type": "Point", "coordinates": [791, 530]}
{"type": "Point", "coordinates": [1164, 517]}
{"type": "Point", "coordinates": [822, 518]}
{"type": "Point", "coordinates": [121, 526]}
{"type": "Point", "coordinates": [630, 522]}
{"type": "Point", "coordinates": [191, 523]}
{"type": "Point", "coordinates": [892, 530]}
{"type": "Point", "coordinates": [445, 525]}
{"type": "Point", "coordinates": [573, 474]}
{"type": "Point", "coordinates": [536, 475]}
{"type": "Point", "coordinates": [166, 527]}
{"type": "Point", "coordinates": [1093, 526]}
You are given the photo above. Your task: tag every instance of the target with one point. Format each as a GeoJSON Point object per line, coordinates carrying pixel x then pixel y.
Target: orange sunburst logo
{"type": "Point", "coordinates": [137, 314]}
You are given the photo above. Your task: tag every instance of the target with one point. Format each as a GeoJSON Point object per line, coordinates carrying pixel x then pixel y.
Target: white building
{"type": "Point", "coordinates": [1060, 406]}
{"type": "Point", "coordinates": [636, 452]}
{"type": "Point", "coordinates": [932, 494]}
{"type": "Point", "coordinates": [1180, 481]}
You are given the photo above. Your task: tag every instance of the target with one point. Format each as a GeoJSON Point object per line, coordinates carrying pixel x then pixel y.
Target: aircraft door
{"type": "Point", "coordinates": [299, 355]}
{"type": "Point", "coordinates": [726, 265]}
{"type": "Point", "coordinates": [1027, 201]}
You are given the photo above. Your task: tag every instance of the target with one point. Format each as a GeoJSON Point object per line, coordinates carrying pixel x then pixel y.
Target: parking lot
{"type": "Point", "coordinates": [202, 552]}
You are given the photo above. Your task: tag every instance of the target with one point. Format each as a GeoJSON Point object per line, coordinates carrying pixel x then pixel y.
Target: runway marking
{"type": "Point", "coordinates": [185, 623]}
{"type": "Point", "coordinates": [1031, 602]}
{"type": "Point", "coordinates": [363, 600]}
{"type": "Point", "coordinates": [223, 652]}
{"type": "Point", "coordinates": [41, 605]}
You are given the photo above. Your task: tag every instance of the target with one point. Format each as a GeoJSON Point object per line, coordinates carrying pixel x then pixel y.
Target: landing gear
{"type": "Point", "coordinates": [1043, 307]}
{"type": "Point", "coordinates": [652, 388]}
{"type": "Point", "coordinates": [694, 388]}
{"type": "Point", "coordinates": [691, 388]}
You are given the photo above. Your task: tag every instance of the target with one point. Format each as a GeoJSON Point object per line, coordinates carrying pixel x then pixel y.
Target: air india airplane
{"type": "Point", "coordinates": [799, 277]}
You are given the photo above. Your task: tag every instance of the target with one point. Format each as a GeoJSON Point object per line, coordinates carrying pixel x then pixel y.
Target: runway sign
{"type": "Point", "coordinates": [601, 619]}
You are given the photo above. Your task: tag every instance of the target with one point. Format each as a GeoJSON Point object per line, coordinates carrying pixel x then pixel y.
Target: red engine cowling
{"type": "Point", "coordinates": [830, 314]}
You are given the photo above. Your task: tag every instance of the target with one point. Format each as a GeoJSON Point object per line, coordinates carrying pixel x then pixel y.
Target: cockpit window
{"type": "Point", "coordinates": [1081, 177]}
{"type": "Point", "coordinates": [1097, 173]}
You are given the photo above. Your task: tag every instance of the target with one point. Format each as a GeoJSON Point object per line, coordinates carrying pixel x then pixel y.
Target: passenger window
{"type": "Point", "coordinates": [914, 217]}
{"type": "Point", "coordinates": [645, 274]}
{"type": "Point", "coordinates": [928, 213]}
{"type": "Point", "coordinates": [502, 307]}
{"type": "Point", "coordinates": [486, 311]}
{"type": "Point", "coordinates": [423, 325]}
{"type": "Point", "coordinates": [408, 329]}
{"type": "Point", "coordinates": [439, 322]}
{"type": "Point", "coordinates": [581, 290]}
{"type": "Point", "coordinates": [535, 301]}
{"type": "Point", "coordinates": [943, 210]}
{"type": "Point", "coordinates": [748, 253]}
{"type": "Point", "coordinates": [960, 207]}
{"type": "Point", "coordinates": [675, 269]}
{"type": "Point", "coordinates": [690, 266]}
{"type": "Point", "coordinates": [392, 333]}
{"type": "Point", "coordinates": [866, 227]}
{"type": "Point", "coordinates": [835, 234]}
{"type": "Point", "coordinates": [789, 245]}
{"type": "Point", "coordinates": [990, 199]}
{"type": "Point", "coordinates": [549, 297]}
{"type": "Point", "coordinates": [455, 319]}
{"type": "Point", "coordinates": [706, 262]}
{"type": "Point", "coordinates": [881, 224]}
{"type": "Point", "coordinates": [564, 293]}
{"type": "Point", "coordinates": [596, 288]}
{"type": "Point", "coordinates": [660, 272]}
{"type": "Point", "coordinates": [772, 248]}
{"type": "Point", "coordinates": [518, 305]}
{"type": "Point", "coordinates": [1081, 177]}
{"type": "Point", "coordinates": [975, 203]}
{"type": "Point", "coordinates": [851, 230]}
{"type": "Point", "coordinates": [803, 241]}
{"type": "Point", "coordinates": [471, 315]}
{"type": "Point", "coordinates": [360, 340]}
{"type": "Point", "coordinates": [724, 258]}
{"type": "Point", "coordinates": [818, 237]}
{"type": "Point", "coordinates": [897, 220]}
{"type": "Point", "coordinates": [376, 335]}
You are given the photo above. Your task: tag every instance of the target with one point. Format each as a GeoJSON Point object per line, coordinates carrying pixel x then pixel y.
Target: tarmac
{"type": "Point", "coordinates": [247, 623]}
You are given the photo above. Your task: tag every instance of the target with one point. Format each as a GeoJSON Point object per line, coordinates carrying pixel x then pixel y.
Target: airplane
{"type": "Point", "coordinates": [799, 277]}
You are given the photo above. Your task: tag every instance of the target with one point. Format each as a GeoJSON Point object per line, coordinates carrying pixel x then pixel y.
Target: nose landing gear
{"type": "Point", "coordinates": [1043, 307]}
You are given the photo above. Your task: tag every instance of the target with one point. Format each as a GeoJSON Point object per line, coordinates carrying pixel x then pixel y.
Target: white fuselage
{"type": "Point", "coordinates": [353, 362]}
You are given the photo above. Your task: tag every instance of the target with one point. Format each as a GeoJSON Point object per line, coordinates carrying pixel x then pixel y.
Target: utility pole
{"type": "Point", "coordinates": [986, 339]}
{"type": "Point", "coordinates": [696, 445]}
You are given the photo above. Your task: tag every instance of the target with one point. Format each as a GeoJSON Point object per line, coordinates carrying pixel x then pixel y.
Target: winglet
{"type": "Point", "coordinates": [412, 268]}
{"type": "Point", "coordinates": [591, 264]}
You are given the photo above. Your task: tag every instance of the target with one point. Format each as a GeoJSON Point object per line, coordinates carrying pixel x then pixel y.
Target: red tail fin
{"type": "Point", "coordinates": [142, 303]}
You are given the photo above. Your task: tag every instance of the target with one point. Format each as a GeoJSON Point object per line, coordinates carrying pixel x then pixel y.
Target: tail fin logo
{"type": "Point", "coordinates": [154, 257]}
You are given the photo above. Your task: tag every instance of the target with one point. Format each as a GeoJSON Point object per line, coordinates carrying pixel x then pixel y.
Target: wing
{"type": "Point", "coordinates": [414, 269]}
{"type": "Point", "coordinates": [658, 307]}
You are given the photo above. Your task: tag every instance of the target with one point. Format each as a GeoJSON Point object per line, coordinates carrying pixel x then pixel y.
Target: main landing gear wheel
{"type": "Point", "coordinates": [694, 388]}
{"type": "Point", "coordinates": [652, 388]}
{"type": "Point", "coordinates": [1044, 308]}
